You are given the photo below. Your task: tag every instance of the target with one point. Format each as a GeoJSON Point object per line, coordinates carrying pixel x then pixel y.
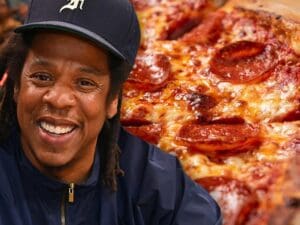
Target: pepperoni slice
{"type": "Point", "coordinates": [290, 116]}
{"type": "Point", "coordinates": [208, 32]}
{"type": "Point", "coordinates": [137, 123]}
{"type": "Point", "coordinates": [151, 72]}
{"type": "Point", "coordinates": [237, 201]}
{"type": "Point", "coordinates": [150, 133]}
{"type": "Point", "coordinates": [180, 26]}
{"type": "Point", "coordinates": [228, 120]}
{"type": "Point", "coordinates": [182, 18]}
{"type": "Point", "coordinates": [244, 62]}
{"type": "Point", "coordinates": [219, 138]}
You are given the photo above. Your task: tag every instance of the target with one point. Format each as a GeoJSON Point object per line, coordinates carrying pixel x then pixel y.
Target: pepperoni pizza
{"type": "Point", "coordinates": [219, 88]}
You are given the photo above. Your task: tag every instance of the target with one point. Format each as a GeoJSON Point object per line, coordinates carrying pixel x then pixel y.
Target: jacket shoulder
{"type": "Point", "coordinates": [164, 194]}
{"type": "Point", "coordinates": [9, 172]}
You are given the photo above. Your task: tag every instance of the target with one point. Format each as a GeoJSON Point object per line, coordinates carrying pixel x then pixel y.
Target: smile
{"type": "Point", "coordinates": [56, 129]}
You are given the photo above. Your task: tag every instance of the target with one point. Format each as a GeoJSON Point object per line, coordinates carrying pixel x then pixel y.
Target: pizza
{"type": "Point", "coordinates": [219, 87]}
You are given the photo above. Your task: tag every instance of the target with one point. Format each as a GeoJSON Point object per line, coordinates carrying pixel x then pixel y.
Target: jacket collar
{"type": "Point", "coordinates": [37, 177]}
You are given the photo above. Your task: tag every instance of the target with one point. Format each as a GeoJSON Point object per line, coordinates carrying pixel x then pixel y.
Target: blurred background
{"type": "Point", "coordinates": [12, 14]}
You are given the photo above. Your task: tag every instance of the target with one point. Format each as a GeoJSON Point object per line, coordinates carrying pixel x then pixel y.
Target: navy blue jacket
{"type": "Point", "coordinates": [153, 191]}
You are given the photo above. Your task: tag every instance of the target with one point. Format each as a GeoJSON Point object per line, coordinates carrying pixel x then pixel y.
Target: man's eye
{"type": "Point", "coordinates": [42, 77]}
{"type": "Point", "coordinates": [86, 83]}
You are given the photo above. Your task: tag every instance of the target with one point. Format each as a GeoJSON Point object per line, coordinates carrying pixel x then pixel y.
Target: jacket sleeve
{"type": "Point", "coordinates": [169, 196]}
{"type": "Point", "coordinates": [159, 191]}
{"type": "Point", "coordinates": [196, 205]}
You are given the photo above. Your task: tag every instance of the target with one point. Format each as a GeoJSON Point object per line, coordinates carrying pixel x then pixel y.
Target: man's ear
{"type": "Point", "coordinates": [112, 108]}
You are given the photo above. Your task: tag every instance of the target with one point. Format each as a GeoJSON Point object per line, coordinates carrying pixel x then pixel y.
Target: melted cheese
{"type": "Point", "coordinates": [262, 167]}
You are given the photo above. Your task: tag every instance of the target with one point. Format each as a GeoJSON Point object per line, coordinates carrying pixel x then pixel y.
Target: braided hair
{"type": "Point", "coordinates": [12, 58]}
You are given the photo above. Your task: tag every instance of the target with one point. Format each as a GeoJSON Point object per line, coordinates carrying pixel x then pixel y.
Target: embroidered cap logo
{"type": "Point", "coordinates": [73, 4]}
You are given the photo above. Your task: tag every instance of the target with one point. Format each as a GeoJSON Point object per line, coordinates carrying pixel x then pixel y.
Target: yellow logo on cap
{"type": "Point", "coordinates": [73, 4]}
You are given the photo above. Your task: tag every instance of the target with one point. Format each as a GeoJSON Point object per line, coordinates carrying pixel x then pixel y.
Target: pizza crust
{"type": "Point", "coordinates": [284, 13]}
{"type": "Point", "coordinates": [289, 9]}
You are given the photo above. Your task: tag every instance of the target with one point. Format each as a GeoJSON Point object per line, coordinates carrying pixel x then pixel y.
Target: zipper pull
{"type": "Point", "coordinates": [71, 192]}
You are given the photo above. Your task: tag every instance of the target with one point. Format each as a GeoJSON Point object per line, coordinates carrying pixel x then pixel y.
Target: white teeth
{"type": "Point", "coordinates": [56, 129]}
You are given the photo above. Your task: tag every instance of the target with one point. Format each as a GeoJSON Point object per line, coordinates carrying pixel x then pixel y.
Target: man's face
{"type": "Point", "coordinates": [61, 101]}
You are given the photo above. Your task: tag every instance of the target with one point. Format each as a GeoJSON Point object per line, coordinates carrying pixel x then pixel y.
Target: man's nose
{"type": "Point", "coordinates": [60, 96]}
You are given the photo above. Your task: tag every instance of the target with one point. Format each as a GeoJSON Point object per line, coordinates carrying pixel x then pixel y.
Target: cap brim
{"type": "Point", "coordinates": [71, 28]}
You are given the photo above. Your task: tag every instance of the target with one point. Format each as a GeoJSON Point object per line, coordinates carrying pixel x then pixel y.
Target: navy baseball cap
{"type": "Point", "coordinates": [112, 24]}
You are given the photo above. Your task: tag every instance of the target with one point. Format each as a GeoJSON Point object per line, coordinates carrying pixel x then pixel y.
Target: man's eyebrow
{"type": "Point", "coordinates": [93, 70]}
{"type": "Point", "coordinates": [38, 61]}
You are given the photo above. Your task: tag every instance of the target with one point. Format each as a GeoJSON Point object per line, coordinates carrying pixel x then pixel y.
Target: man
{"type": "Point", "coordinates": [63, 157]}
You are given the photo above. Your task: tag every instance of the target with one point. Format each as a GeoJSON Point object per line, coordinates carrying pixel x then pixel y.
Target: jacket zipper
{"type": "Point", "coordinates": [63, 206]}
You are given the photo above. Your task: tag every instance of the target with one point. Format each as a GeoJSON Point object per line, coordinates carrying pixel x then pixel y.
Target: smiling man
{"type": "Point", "coordinates": [62, 101]}
{"type": "Point", "coordinates": [64, 159]}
